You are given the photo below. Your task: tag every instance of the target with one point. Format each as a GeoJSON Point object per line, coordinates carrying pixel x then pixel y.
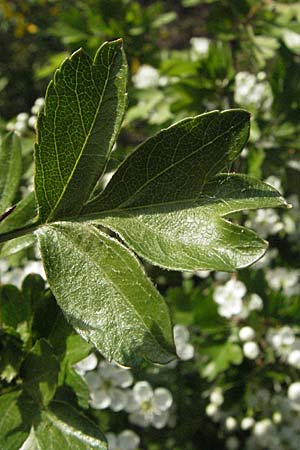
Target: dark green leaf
{"type": "Point", "coordinates": [40, 372]}
{"type": "Point", "coordinates": [175, 164]}
{"type": "Point", "coordinates": [24, 213]}
{"type": "Point", "coordinates": [105, 294]}
{"type": "Point", "coordinates": [63, 427]}
{"type": "Point", "coordinates": [79, 386]}
{"type": "Point", "coordinates": [10, 169]}
{"type": "Point", "coordinates": [83, 112]}
{"type": "Point", "coordinates": [15, 416]}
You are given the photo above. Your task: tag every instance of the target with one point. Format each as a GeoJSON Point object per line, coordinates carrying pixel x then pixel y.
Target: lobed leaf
{"type": "Point", "coordinates": [84, 108]}
{"type": "Point", "coordinates": [176, 163]}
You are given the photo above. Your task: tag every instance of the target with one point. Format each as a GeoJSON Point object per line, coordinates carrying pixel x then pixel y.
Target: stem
{"type": "Point", "coordinates": [19, 232]}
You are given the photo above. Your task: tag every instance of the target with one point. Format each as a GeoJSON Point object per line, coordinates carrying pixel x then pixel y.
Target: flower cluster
{"type": "Point", "coordinates": [109, 387]}
{"type": "Point", "coordinates": [232, 300]}
{"type": "Point", "coordinates": [272, 425]}
{"type": "Point", "coordinates": [126, 440]}
{"type": "Point", "coordinates": [253, 90]}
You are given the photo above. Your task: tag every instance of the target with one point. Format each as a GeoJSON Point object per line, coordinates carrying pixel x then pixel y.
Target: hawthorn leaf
{"type": "Point", "coordinates": [84, 108]}
{"type": "Point", "coordinates": [176, 163]}
{"type": "Point", "coordinates": [105, 294]}
{"type": "Point", "coordinates": [15, 418]}
{"type": "Point", "coordinates": [13, 310]}
{"type": "Point", "coordinates": [16, 245]}
{"type": "Point", "coordinates": [10, 169]}
{"type": "Point", "coordinates": [61, 426]}
{"type": "Point", "coordinates": [40, 372]}
{"type": "Point", "coordinates": [194, 234]}
{"type": "Point", "coordinates": [24, 213]}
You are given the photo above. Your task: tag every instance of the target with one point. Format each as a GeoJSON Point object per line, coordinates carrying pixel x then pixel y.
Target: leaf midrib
{"type": "Point", "coordinates": [228, 131]}
{"type": "Point", "coordinates": [96, 233]}
{"type": "Point", "coordinates": [88, 135]}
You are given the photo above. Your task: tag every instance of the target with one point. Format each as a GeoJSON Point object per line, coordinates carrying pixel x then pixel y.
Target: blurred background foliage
{"type": "Point", "coordinates": [188, 57]}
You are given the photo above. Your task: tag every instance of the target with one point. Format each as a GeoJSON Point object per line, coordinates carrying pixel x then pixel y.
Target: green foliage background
{"type": "Point", "coordinates": [244, 36]}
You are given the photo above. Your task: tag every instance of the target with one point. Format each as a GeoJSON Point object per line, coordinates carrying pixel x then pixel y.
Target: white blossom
{"type": "Point", "coordinates": [265, 222]}
{"type": "Point", "coordinates": [126, 440]}
{"type": "Point", "coordinates": [216, 396]}
{"type": "Point", "coordinates": [184, 350]}
{"type": "Point", "coordinates": [146, 77]}
{"type": "Point", "coordinates": [255, 303]}
{"type": "Point", "coordinates": [107, 386]}
{"type": "Point", "coordinates": [246, 334]}
{"type": "Point", "coordinates": [199, 46]}
{"type": "Point", "coordinates": [281, 278]}
{"type": "Point", "coordinates": [87, 364]}
{"type": "Point", "coordinates": [294, 358]}
{"type": "Point", "coordinates": [229, 298]}
{"type": "Point", "coordinates": [294, 392]}
{"type": "Point", "coordinates": [212, 411]}
{"type": "Point", "coordinates": [251, 350]}
{"type": "Point", "coordinates": [247, 423]}
{"type": "Point", "coordinates": [147, 406]}
{"type": "Point", "coordinates": [252, 90]}
{"type": "Point", "coordinates": [231, 423]}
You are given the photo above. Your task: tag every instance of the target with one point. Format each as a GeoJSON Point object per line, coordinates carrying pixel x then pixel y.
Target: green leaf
{"type": "Point", "coordinates": [10, 357]}
{"type": "Point", "coordinates": [63, 427]}
{"type": "Point", "coordinates": [105, 294]}
{"type": "Point", "coordinates": [40, 372]}
{"type": "Point", "coordinates": [68, 345]}
{"type": "Point", "coordinates": [79, 386]}
{"type": "Point", "coordinates": [83, 112]}
{"type": "Point", "coordinates": [194, 234]}
{"type": "Point", "coordinates": [10, 169]}
{"type": "Point", "coordinates": [175, 164]}
{"type": "Point", "coordinates": [15, 416]}
{"type": "Point", "coordinates": [13, 311]}
{"type": "Point", "coordinates": [24, 213]}
{"type": "Point", "coordinates": [16, 245]}
{"type": "Point", "coordinates": [223, 355]}
{"type": "Point", "coordinates": [167, 202]}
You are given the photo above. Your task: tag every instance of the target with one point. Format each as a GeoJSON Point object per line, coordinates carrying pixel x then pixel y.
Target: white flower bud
{"type": "Point", "coordinates": [251, 350]}
{"type": "Point", "coordinates": [277, 417]}
{"type": "Point", "coordinates": [262, 427]}
{"type": "Point", "coordinates": [294, 358]}
{"type": "Point", "coordinates": [216, 396]}
{"type": "Point", "coordinates": [231, 423]}
{"type": "Point", "coordinates": [246, 334]}
{"type": "Point", "coordinates": [247, 422]}
{"type": "Point", "coordinates": [211, 409]}
{"type": "Point", "coordinates": [32, 121]}
{"type": "Point", "coordinates": [294, 392]}
{"type": "Point", "coordinates": [22, 117]}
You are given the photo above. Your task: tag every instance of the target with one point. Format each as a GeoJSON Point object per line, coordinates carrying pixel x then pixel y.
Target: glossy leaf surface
{"type": "Point", "coordinates": [105, 294]}
{"type": "Point", "coordinates": [63, 427]}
